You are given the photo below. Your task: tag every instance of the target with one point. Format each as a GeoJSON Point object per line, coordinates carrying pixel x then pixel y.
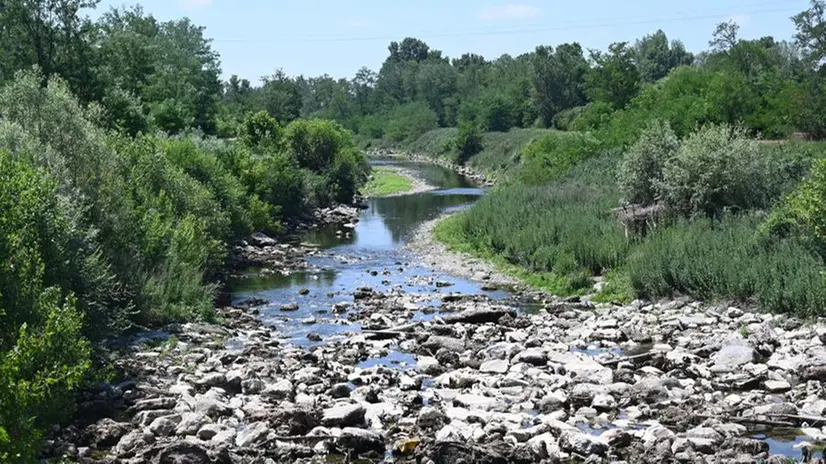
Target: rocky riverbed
{"type": "Point", "coordinates": [362, 355]}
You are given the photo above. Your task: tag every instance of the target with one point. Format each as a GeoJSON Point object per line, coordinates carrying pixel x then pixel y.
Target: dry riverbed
{"type": "Point", "coordinates": [437, 376]}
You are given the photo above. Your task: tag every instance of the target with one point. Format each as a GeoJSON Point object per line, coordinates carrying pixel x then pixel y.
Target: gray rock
{"type": "Point", "coordinates": [253, 435]}
{"type": "Point", "coordinates": [732, 355]}
{"type": "Point", "coordinates": [777, 386]}
{"type": "Point", "coordinates": [544, 446]}
{"type": "Point", "coordinates": [132, 442]}
{"type": "Point", "coordinates": [164, 426]}
{"type": "Point", "coordinates": [495, 366]}
{"type": "Point", "coordinates": [153, 404]}
{"type": "Point", "coordinates": [182, 452]}
{"type": "Point", "coordinates": [252, 386]}
{"type": "Point", "coordinates": [474, 402]}
{"type": "Point", "coordinates": [435, 342]}
{"type": "Point", "coordinates": [340, 390]}
{"type": "Point", "coordinates": [431, 418]}
{"type": "Point", "coordinates": [532, 356]}
{"type": "Point", "coordinates": [216, 379]}
{"type": "Point", "coordinates": [344, 415]}
{"type": "Point", "coordinates": [478, 316]}
{"type": "Point", "coordinates": [360, 441]}
{"type": "Point", "coordinates": [211, 407]}
{"type": "Point", "coordinates": [208, 431]}
{"type": "Point", "coordinates": [106, 432]}
{"type": "Point", "coordinates": [582, 444]}
{"type": "Point", "coordinates": [190, 423]}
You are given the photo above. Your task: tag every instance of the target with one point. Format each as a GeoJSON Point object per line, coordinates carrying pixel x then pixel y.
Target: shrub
{"type": "Point", "coordinates": [467, 143]}
{"type": "Point", "coordinates": [409, 121]}
{"type": "Point", "coordinates": [550, 156]}
{"type": "Point", "coordinates": [641, 170]}
{"type": "Point", "coordinates": [715, 169]}
{"type": "Point", "coordinates": [592, 116]}
{"type": "Point", "coordinates": [714, 259]}
{"type": "Point", "coordinates": [316, 143]}
{"type": "Point", "coordinates": [260, 130]}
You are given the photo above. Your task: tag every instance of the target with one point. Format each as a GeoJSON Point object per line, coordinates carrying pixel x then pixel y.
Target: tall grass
{"type": "Point", "coordinates": [725, 259]}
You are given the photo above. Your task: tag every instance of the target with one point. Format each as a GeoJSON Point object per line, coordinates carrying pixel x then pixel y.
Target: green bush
{"type": "Point", "coordinates": [260, 130]}
{"type": "Point", "coordinates": [467, 143]}
{"type": "Point", "coordinates": [406, 122]}
{"type": "Point", "coordinates": [641, 170]}
{"type": "Point", "coordinates": [715, 169]}
{"type": "Point", "coordinates": [713, 259]}
{"type": "Point", "coordinates": [550, 156]}
{"type": "Point", "coordinates": [43, 353]}
{"type": "Point", "coordinates": [592, 116]}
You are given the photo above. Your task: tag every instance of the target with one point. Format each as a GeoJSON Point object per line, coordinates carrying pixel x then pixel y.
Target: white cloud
{"type": "Point", "coordinates": [509, 11]}
{"type": "Point", "coordinates": [195, 4]}
{"type": "Point", "coordinates": [357, 23]}
{"type": "Point", "coordinates": [742, 20]}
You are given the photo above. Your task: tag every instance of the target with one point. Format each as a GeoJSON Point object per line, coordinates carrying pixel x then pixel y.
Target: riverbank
{"type": "Point", "coordinates": [388, 181]}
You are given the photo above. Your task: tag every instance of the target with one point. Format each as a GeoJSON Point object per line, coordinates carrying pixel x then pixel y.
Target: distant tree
{"type": "Point", "coordinates": [559, 78]}
{"type": "Point", "coordinates": [281, 97]}
{"type": "Point", "coordinates": [655, 58]}
{"type": "Point", "coordinates": [811, 31]}
{"type": "Point", "coordinates": [725, 36]}
{"type": "Point", "coordinates": [614, 78]}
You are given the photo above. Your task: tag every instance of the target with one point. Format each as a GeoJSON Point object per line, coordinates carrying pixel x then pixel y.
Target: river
{"type": "Point", "coordinates": [373, 254]}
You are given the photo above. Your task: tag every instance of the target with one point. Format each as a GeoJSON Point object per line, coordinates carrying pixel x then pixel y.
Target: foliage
{"type": "Point", "coordinates": [718, 168]}
{"type": "Point", "coordinates": [409, 121]}
{"type": "Point", "coordinates": [641, 171]}
{"type": "Point", "coordinates": [802, 214]}
{"type": "Point", "coordinates": [467, 143]}
{"type": "Point", "coordinates": [260, 130]}
{"type": "Point", "coordinates": [713, 259]}
{"type": "Point", "coordinates": [550, 156]}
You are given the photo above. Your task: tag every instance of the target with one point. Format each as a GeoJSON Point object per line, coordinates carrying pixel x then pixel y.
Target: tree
{"type": "Point", "coordinates": [50, 34]}
{"type": "Point", "coordinates": [614, 78]}
{"type": "Point", "coordinates": [725, 36]}
{"type": "Point", "coordinates": [655, 58]}
{"type": "Point", "coordinates": [281, 97]}
{"type": "Point", "coordinates": [559, 79]}
{"type": "Point", "coordinates": [811, 31]}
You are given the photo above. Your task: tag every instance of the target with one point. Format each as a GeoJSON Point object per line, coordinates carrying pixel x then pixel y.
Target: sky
{"type": "Point", "coordinates": [335, 37]}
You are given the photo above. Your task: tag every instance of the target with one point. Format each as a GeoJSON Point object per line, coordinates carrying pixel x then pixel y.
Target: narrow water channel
{"type": "Point", "coordinates": [371, 255]}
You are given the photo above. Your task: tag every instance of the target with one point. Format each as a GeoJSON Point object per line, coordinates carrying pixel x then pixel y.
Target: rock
{"type": "Point", "coordinates": [344, 415]}
{"type": "Point", "coordinates": [279, 390]}
{"type": "Point", "coordinates": [749, 446]}
{"type": "Point", "coordinates": [655, 434]}
{"type": "Point", "coordinates": [212, 380]}
{"type": "Point", "coordinates": [252, 386]}
{"type": "Point", "coordinates": [733, 355]}
{"type": "Point", "coordinates": [255, 434]}
{"type": "Point", "coordinates": [360, 441]}
{"type": "Point", "coordinates": [603, 402]}
{"type": "Point", "coordinates": [304, 291]}
{"type": "Point", "coordinates": [208, 431]}
{"type": "Point", "coordinates": [164, 426]}
{"type": "Point", "coordinates": [582, 444]}
{"type": "Point", "coordinates": [211, 407]}
{"type": "Point", "coordinates": [289, 307]}
{"type": "Point", "coordinates": [436, 342]}
{"type": "Point", "coordinates": [496, 366]}
{"type": "Point", "coordinates": [431, 418]}
{"type": "Point", "coordinates": [532, 356]}
{"type": "Point", "coordinates": [478, 316]}
{"type": "Point", "coordinates": [314, 337]}
{"type": "Point", "coordinates": [340, 390]}
{"type": "Point", "coordinates": [262, 240]}
{"type": "Point", "coordinates": [153, 404]}
{"type": "Point", "coordinates": [777, 386]}
{"type": "Point", "coordinates": [428, 365]}
{"type": "Point", "coordinates": [182, 452]}
{"type": "Point", "coordinates": [106, 432]}
{"type": "Point", "coordinates": [544, 446]}
{"type": "Point", "coordinates": [132, 442]}
{"type": "Point", "coordinates": [443, 284]}
{"type": "Point", "coordinates": [763, 338]}
{"type": "Point", "coordinates": [474, 401]}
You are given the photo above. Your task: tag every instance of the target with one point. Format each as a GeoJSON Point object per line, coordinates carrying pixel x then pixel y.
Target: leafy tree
{"type": "Point", "coordinates": [641, 171]}
{"type": "Point", "coordinates": [811, 31]}
{"type": "Point", "coordinates": [281, 97]}
{"type": "Point", "coordinates": [614, 78]}
{"type": "Point", "coordinates": [655, 58]}
{"type": "Point", "coordinates": [560, 76]}
{"type": "Point", "coordinates": [725, 36]}
{"type": "Point", "coordinates": [409, 121]}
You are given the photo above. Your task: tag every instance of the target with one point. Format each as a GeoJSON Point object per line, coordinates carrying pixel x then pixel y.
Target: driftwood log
{"type": "Point", "coordinates": [639, 219]}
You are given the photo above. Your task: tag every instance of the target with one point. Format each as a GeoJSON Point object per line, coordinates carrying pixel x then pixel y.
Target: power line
{"type": "Point", "coordinates": [676, 17]}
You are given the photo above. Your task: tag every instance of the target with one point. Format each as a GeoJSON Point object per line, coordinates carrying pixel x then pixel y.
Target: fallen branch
{"type": "Point", "coordinates": [636, 357]}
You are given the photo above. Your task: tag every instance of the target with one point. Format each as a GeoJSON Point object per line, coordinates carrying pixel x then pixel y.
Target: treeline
{"type": "Point", "coordinates": [667, 190]}
{"type": "Point", "coordinates": [117, 210]}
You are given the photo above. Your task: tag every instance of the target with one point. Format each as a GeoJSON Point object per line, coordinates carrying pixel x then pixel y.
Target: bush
{"type": "Point", "coordinates": [641, 170]}
{"type": "Point", "coordinates": [260, 130]}
{"type": "Point", "coordinates": [550, 156]}
{"type": "Point", "coordinates": [409, 121]}
{"type": "Point", "coordinates": [714, 259]}
{"type": "Point", "coordinates": [467, 143]}
{"type": "Point", "coordinates": [315, 143]}
{"type": "Point", "coordinates": [592, 116]}
{"type": "Point", "coordinates": [715, 169]}
{"type": "Point", "coordinates": [43, 354]}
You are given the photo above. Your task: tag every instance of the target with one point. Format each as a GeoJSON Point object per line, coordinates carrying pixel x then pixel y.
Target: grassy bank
{"type": "Point", "coordinates": [560, 234]}
{"type": "Point", "coordinates": [499, 150]}
{"type": "Point", "coordinates": [386, 181]}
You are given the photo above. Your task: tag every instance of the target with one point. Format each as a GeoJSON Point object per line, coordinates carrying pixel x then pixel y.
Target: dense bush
{"type": "Point", "coordinates": [802, 214]}
{"type": "Point", "coordinates": [551, 156]}
{"type": "Point", "coordinates": [467, 143]}
{"type": "Point", "coordinates": [409, 121]}
{"type": "Point", "coordinates": [713, 259]}
{"type": "Point", "coordinates": [641, 170]}
{"type": "Point", "coordinates": [715, 169]}
{"type": "Point", "coordinates": [260, 130]}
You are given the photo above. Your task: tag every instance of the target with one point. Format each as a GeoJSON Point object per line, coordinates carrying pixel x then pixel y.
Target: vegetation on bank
{"type": "Point", "coordinates": [386, 181]}
{"type": "Point", "coordinates": [102, 233]}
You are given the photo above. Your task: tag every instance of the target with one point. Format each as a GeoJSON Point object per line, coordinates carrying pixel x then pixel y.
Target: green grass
{"type": "Point", "coordinates": [500, 150]}
{"type": "Point", "coordinates": [387, 181]}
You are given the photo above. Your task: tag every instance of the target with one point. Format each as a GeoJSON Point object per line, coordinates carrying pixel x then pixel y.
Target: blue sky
{"type": "Point", "coordinates": [314, 37]}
